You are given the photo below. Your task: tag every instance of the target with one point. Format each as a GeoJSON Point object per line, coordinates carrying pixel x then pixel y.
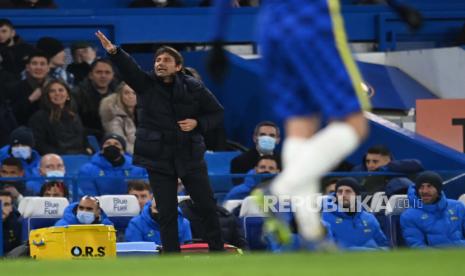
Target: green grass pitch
{"type": "Point", "coordinates": [394, 263]}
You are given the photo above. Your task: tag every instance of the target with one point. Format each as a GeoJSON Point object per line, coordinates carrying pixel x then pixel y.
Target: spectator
{"type": "Point", "coordinates": [329, 185]}
{"type": "Point", "coordinates": [166, 3]}
{"type": "Point", "coordinates": [13, 50]}
{"type": "Point", "coordinates": [25, 94]}
{"type": "Point", "coordinates": [432, 220]}
{"type": "Point", "coordinates": [353, 228]}
{"type": "Point", "coordinates": [54, 189]}
{"type": "Point", "coordinates": [146, 226]}
{"type": "Point", "coordinates": [11, 223]}
{"type": "Point", "coordinates": [51, 165]}
{"type": "Point", "coordinates": [28, 4]}
{"type": "Point", "coordinates": [379, 159]}
{"type": "Point", "coordinates": [266, 164]}
{"type": "Point", "coordinates": [118, 114]}
{"type": "Point", "coordinates": [21, 147]}
{"type": "Point", "coordinates": [84, 54]}
{"type": "Point", "coordinates": [55, 52]}
{"type": "Point", "coordinates": [112, 161]}
{"type": "Point", "coordinates": [12, 167]}
{"type": "Point", "coordinates": [86, 211]}
{"type": "Point", "coordinates": [142, 190]}
{"type": "Point", "coordinates": [97, 85]}
{"type": "Point", "coordinates": [57, 127]}
{"type": "Point", "coordinates": [266, 136]}
{"type": "Point", "coordinates": [230, 227]}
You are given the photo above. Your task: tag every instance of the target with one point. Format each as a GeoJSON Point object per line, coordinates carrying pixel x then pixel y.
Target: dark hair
{"type": "Point", "coordinates": [379, 149]}
{"type": "Point", "coordinates": [139, 185]}
{"type": "Point", "coordinates": [172, 52]}
{"type": "Point", "coordinates": [269, 157]}
{"type": "Point", "coordinates": [12, 161]}
{"type": "Point", "coordinates": [101, 60]}
{"type": "Point", "coordinates": [326, 181]}
{"type": "Point", "coordinates": [6, 22]}
{"type": "Point", "coordinates": [266, 123]}
{"type": "Point", "coordinates": [60, 185]}
{"type": "Point", "coordinates": [55, 112]}
{"type": "Point", "coordinates": [37, 53]}
{"type": "Point", "coordinates": [6, 193]}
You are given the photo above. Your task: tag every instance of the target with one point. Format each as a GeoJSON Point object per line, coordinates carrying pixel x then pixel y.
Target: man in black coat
{"type": "Point", "coordinates": [11, 223]}
{"type": "Point", "coordinates": [174, 110]}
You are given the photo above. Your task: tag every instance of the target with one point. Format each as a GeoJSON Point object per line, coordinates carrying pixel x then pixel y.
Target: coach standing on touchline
{"type": "Point", "coordinates": [174, 110]}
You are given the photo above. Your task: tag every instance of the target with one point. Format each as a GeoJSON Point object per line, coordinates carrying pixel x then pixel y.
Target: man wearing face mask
{"type": "Point", "coordinates": [86, 211]}
{"type": "Point", "coordinates": [112, 161]}
{"type": "Point", "coordinates": [21, 147]}
{"type": "Point", "coordinates": [146, 226]}
{"type": "Point", "coordinates": [266, 164]}
{"type": "Point", "coordinates": [266, 136]}
{"type": "Point", "coordinates": [51, 165]}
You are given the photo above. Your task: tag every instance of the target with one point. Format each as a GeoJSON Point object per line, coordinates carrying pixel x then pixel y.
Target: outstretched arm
{"type": "Point", "coordinates": [130, 71]}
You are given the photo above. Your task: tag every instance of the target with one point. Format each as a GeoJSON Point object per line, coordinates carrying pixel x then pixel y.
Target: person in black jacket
{"type": "Point", "coordinates": [11, 223]}
{"type": "Point", "coordinates": [56, 126]}
{"type": "Point", "coordinates": [174, 111]}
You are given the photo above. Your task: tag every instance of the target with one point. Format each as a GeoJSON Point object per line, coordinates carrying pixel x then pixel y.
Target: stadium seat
{"type": "Point", "coordinates": [74, 162]}
{"type": "Point", "coordinates": [42, 212]}
{"type": "Point", "coordinates": [396, 205]}
{"type": "Point", "coordinates": [250, 208]}
{"type": "Point", "coordinates": [218, 164]}
{"type": "Point", "coordinates": [253, 232]}
{"type": "Point", "coordinates": [120, 209]}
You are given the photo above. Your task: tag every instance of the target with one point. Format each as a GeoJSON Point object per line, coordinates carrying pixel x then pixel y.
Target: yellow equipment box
{"type": "Point", "coordinates": [73, 242]}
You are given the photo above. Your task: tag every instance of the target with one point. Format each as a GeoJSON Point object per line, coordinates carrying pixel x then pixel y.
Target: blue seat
{"type": "Point", "coordinates": [396, 205]}
{"type": "Point", "coordinates": [74, 162]}
{"type": "Point", "coordinates": [253, 231]}
{"type": "Point", "coordinates": [218, 164]}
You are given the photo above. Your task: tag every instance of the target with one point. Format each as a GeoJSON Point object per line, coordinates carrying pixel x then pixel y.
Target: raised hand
{"type": "Point", "coordinates": [106, 43]}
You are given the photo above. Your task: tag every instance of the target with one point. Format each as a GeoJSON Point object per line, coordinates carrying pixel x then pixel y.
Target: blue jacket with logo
{"type": "Point", "coordinates": [69, 216]}
{"type": "Point", "coordinates": [440, 224]}
{"type": "Point", "coordinates": [99, 166]}
{"type": "Point", "coordinates": [145, 228]}
{"type": "Point", "coordinates": [358, 232]}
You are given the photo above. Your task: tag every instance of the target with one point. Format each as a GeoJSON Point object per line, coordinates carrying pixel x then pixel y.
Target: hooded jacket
{"type": "Point", "coordinates": [100, 166]}
{"type": "Point", "coordinates": [243, 190]}
{"type": "Point", "coordinates": [145, 228]}
{"type": "Point", "coordinates": [440, 224]}
{"type": "Point", "coordinates": [358, 231]}
{"type": "Point", "coordinates": [116, 120]}
{"type": "Point", "coordinates": [12, 231]}
{"type": "Point", "coordinates": [69, 216]}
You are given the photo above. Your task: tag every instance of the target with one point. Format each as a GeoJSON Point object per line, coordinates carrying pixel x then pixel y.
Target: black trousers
{"type": "Point", "coordinates": [197, 185]}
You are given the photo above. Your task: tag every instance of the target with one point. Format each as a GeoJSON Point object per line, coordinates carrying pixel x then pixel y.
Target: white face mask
{"type": "Point", "coordinates": [21, 152]}
{"type": "Point", "coordinates": [266, 144]}
{"type": "Point", "coordinates": [85, 217]}
{"type": "Point", "coordinates": [55, 174]}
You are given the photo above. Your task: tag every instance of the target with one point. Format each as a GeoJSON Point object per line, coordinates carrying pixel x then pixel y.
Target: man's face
{"type": "Point", "coordinates": [87, 54]}
{"type": "Point", "coordinates": [266, 166]}
{"type": "Point", "coordinates": [11, 171]}
{"type": "Point", "coordinates": [266, 131]}
{"type": "Point", "coordinates": [113, 142]}
{"type": "Point", "coordinates": [142, 196]}
{"type": "Point", "coordinates": [102, 75]}
{"type": "Point", "coordinates": [58, 60]}
{"type": "Point", "coordinates": [346, 195]}
{"type": "Point", "coordinates": [331, 188]}
{"type": "Point", "coordinates": [38, 68]}
{"type": "Point", "coordinates": [165, 65]}
{"type": "Point", "coordinates": [89, 205]}
{"type": "Point", "coordinates": [428, 193]}
{"type": "Point", "coordinates": [7, 206]}
{"type": "Point", "coordinates": [373, 161]}
{"type": "Point", "coordinates": [6, 33]}
{"type": "Point", "coordinates": [54, 191]}
{"type": "Point", "coordinates": [51, 162]}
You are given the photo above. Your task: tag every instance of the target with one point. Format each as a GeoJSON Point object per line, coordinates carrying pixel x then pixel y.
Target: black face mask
{"type": "Point", "coordinates": [113, 155]}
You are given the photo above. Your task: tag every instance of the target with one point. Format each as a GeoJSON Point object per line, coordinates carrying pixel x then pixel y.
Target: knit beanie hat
{"type": "Point", "coordinates": [117, 137]}
{"type": "Point", "coordinates": [50, 46]}
{"type": "Point", "coordinates": [22, 135]}
{"type": "Point", "coordinates": [351, 182]}
{"type": "Point", "coordinates": [430, 178]}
